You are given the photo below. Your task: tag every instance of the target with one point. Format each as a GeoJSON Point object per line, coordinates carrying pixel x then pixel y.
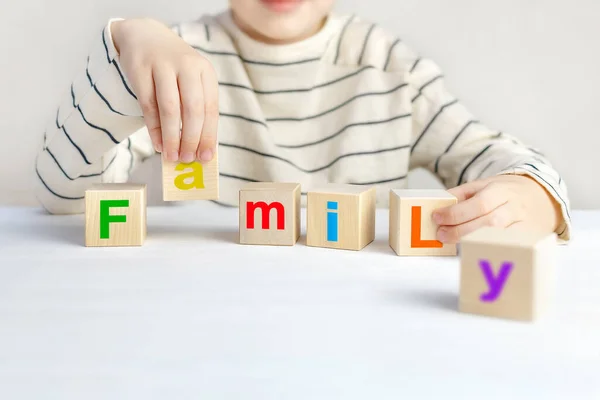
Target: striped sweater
{"type": "Point", "coordinates": [351, 104]}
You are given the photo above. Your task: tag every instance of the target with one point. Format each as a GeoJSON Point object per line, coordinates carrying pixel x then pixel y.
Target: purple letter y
{"type": "Point", "coordinates": [496, 284]}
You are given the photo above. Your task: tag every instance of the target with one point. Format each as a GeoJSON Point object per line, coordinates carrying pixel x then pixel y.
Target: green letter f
{"type": "Point", "coordinates": [106, 218]}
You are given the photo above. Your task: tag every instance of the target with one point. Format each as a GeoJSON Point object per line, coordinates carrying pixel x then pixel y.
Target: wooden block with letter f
{"type": "Point", "coordinates": [115, 215]}
{"type": "Point", "coordinates": [412, 230]}
{"type": "Point", "coordinates": [507, 273]}
{"type": "Point", "coordinates": [270, 214]}
{"type": "Point", "coordinates": [341, 217]}
{"type": "Point", "coordinates": [192, 181]}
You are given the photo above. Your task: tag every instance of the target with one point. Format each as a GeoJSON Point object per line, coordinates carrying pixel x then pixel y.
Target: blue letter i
{"type": "Point", "coordinates": [332, 221]}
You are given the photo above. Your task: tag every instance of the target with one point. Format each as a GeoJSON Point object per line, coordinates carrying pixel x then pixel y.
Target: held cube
{"type": "Point", "coordinates": [341, 217]}
{"type": "Point", "coordinates": [507, 273]}
{"type": "Point", "coordinates": [115, 215]}
{"type": "Point", "coordinates": [270, 214]}
{"type": "Point", "coordinates": [193, 181]}
{"type": "Point", "coordinates": [412, 230]}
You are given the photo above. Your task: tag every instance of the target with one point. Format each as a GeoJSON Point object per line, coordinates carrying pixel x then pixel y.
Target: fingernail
{"type": "Point", "coordinates": [442, 235]}
{"type": "Point", "coordinates": [187, 157]}
{"type": "Point", "coordinates": [206, 155]}
{"type": "Point", "coordinates": [158, 148]}
{"type": "Point", "coordinates": [437, 218]}
{"type": "Point", "coordinates": [172, 156]}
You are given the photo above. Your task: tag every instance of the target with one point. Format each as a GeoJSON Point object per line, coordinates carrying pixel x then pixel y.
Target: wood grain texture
{"type": "Point", "coordinates": [355, 215]}
{"type": "Point", "coordinates": [131, 231]}
{"type": "Point", "coordinates": [192, 181]}
{"type": "Point", "coordinates": [258, 198]}
{"type": "Point", "coordinates": [408, 237]}
{"type": "Point", "coordinates": [529, 287]}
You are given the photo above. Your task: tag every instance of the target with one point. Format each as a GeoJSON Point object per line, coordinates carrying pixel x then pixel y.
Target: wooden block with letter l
{"type": "Point", "coordinates": [192, 181]}
{"type": "Point", "coordinates": [412, 230]}
{"type": "Point", "coordinates": [270, 214]}
{"type": "Point", "coordinates": [115, 215]}
{"type": "Point", "coordinates": [507, 273]}
{"type": "Point", "coordinates": [341, 217]}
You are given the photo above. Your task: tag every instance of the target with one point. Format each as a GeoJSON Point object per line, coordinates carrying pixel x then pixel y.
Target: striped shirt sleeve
{"type": "Point", "coordinates": [96, 135]}
{"type": "Point", "coordinates": [452, 144]}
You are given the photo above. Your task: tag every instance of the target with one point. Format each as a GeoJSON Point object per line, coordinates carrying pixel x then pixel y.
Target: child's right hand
{"type": "Point", "coordinates": [174, 85]}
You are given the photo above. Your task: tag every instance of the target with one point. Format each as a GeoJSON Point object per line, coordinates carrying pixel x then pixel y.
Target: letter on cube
{"type": "Point", "coordinates": [270, 214]}
{"type": "Point", "coordinates": [341, 217]}
{"type": "Point", "coordinates": [507, 273]}
{"type": "Point", "coordinates": [193, 181]}
{"type": "Point", "coordinates": [412, 230]}
{"type": "Point", "coordinates": [115, 215]}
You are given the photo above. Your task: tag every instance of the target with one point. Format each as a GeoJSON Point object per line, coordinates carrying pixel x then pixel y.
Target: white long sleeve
{"type": "Point", "coordinates": [351, 104]}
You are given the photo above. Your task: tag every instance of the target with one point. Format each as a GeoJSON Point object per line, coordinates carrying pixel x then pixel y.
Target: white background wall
{"type": "Point", "coordinates": [527, 67]}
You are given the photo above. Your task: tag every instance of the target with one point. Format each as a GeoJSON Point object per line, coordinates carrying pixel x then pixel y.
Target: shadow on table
{"type": "Point", "coordinates": [174, 232]}
{"type": "Point", "coordinates": [441, 300]}
{"type": "Point", "coordinates": [379, 246]}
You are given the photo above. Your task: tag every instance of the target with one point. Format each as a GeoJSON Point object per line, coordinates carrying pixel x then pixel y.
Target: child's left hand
{"type": "Point", "coordinates": [500, 201]}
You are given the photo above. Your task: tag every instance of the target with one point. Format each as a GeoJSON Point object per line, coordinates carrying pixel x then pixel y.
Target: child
{"type": "Point", "coordinates": [295, 93]}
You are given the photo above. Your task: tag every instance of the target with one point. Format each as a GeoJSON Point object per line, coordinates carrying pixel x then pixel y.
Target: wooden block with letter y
{"type": "Point", "coordinates": [341, 217]}
{"type": "Point", "coordinates": [115, 215]}
{"type": "Point", "coordinates": [270, 214]}
{"type": "Point", "coordinates": [507, 273]}
{"type": "Point", "coordinates": [412, 230]}
{"type": "Point", "coordinates": [193, 181]}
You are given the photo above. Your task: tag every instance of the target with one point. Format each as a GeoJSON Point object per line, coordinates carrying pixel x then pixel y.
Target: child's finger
{"type": "Point", "coordinates": [208, 139]}
{"type": "Point", "coordinates": [467, 190]}
{"type": "Point", "coordinates": [143, 85]}
{"type": "Point", "coordinates": [192, 112]}
{"type": "Point", "coordinates": [500, 217]}
{"type": "Point", "coordinates": [167, 97]}
{"type": "Point", "coordinates": [484, 202]}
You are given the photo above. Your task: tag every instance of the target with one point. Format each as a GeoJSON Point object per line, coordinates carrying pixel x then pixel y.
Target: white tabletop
{"type": "Point", "coordinates": [193, 315]}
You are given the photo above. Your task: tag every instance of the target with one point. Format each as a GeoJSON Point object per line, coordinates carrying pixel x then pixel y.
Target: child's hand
{"type": "Point", "coordinates": [174, 84]}
{"type": "Point", "coordinates": [501, 201]}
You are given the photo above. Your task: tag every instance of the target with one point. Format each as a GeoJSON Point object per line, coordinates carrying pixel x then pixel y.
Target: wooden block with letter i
{"type": "Point", "coordinates": [115, 215]}
{"type": "Point", "coordinates": [270, 214]}
{"type": "Point", "coordinates": [341, 217]}
{"type": "Point", "coordinates": [192, 181]}
{"type": "Point", "coordinates": [507, 273]}
{"type": "Point", "coordinates": [412, 230]}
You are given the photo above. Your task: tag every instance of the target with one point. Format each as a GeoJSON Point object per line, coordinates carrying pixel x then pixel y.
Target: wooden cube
{"type": "Point", "coordinates": [115, 215]}
{"type": "Point", "coordinates": [192, 181]}
{"type": "Point", "coordinates": [270, 214]}
{"type": "Point", "coordinates": [341, 217]}
{"type": "Point", "coordinates": [412, 230]}
{"type": "Point", "coordinates": [507, 273]}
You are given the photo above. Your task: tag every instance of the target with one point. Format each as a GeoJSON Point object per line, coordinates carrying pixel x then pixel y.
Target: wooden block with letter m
{"type": "Point", "coordinates": [270, 214]}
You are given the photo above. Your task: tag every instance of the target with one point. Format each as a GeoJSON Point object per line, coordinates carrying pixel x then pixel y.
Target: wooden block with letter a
{"type": "Point", "coordinates": [193, 181]}
{"type": "Point", "coordinates": [341, 217]}
{"type": "Point", "coordinates": [270, 213]}
{"type": "Point", "coordinates": [412, 230]}
{"type": "Point", "coordinates": [507, 273]}
{"type": "Point", "coordinates": [115, 215]}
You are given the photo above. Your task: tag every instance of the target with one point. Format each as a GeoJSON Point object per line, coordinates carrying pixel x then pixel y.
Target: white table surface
{"type": "Point", "coordinates": [193, 315]}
